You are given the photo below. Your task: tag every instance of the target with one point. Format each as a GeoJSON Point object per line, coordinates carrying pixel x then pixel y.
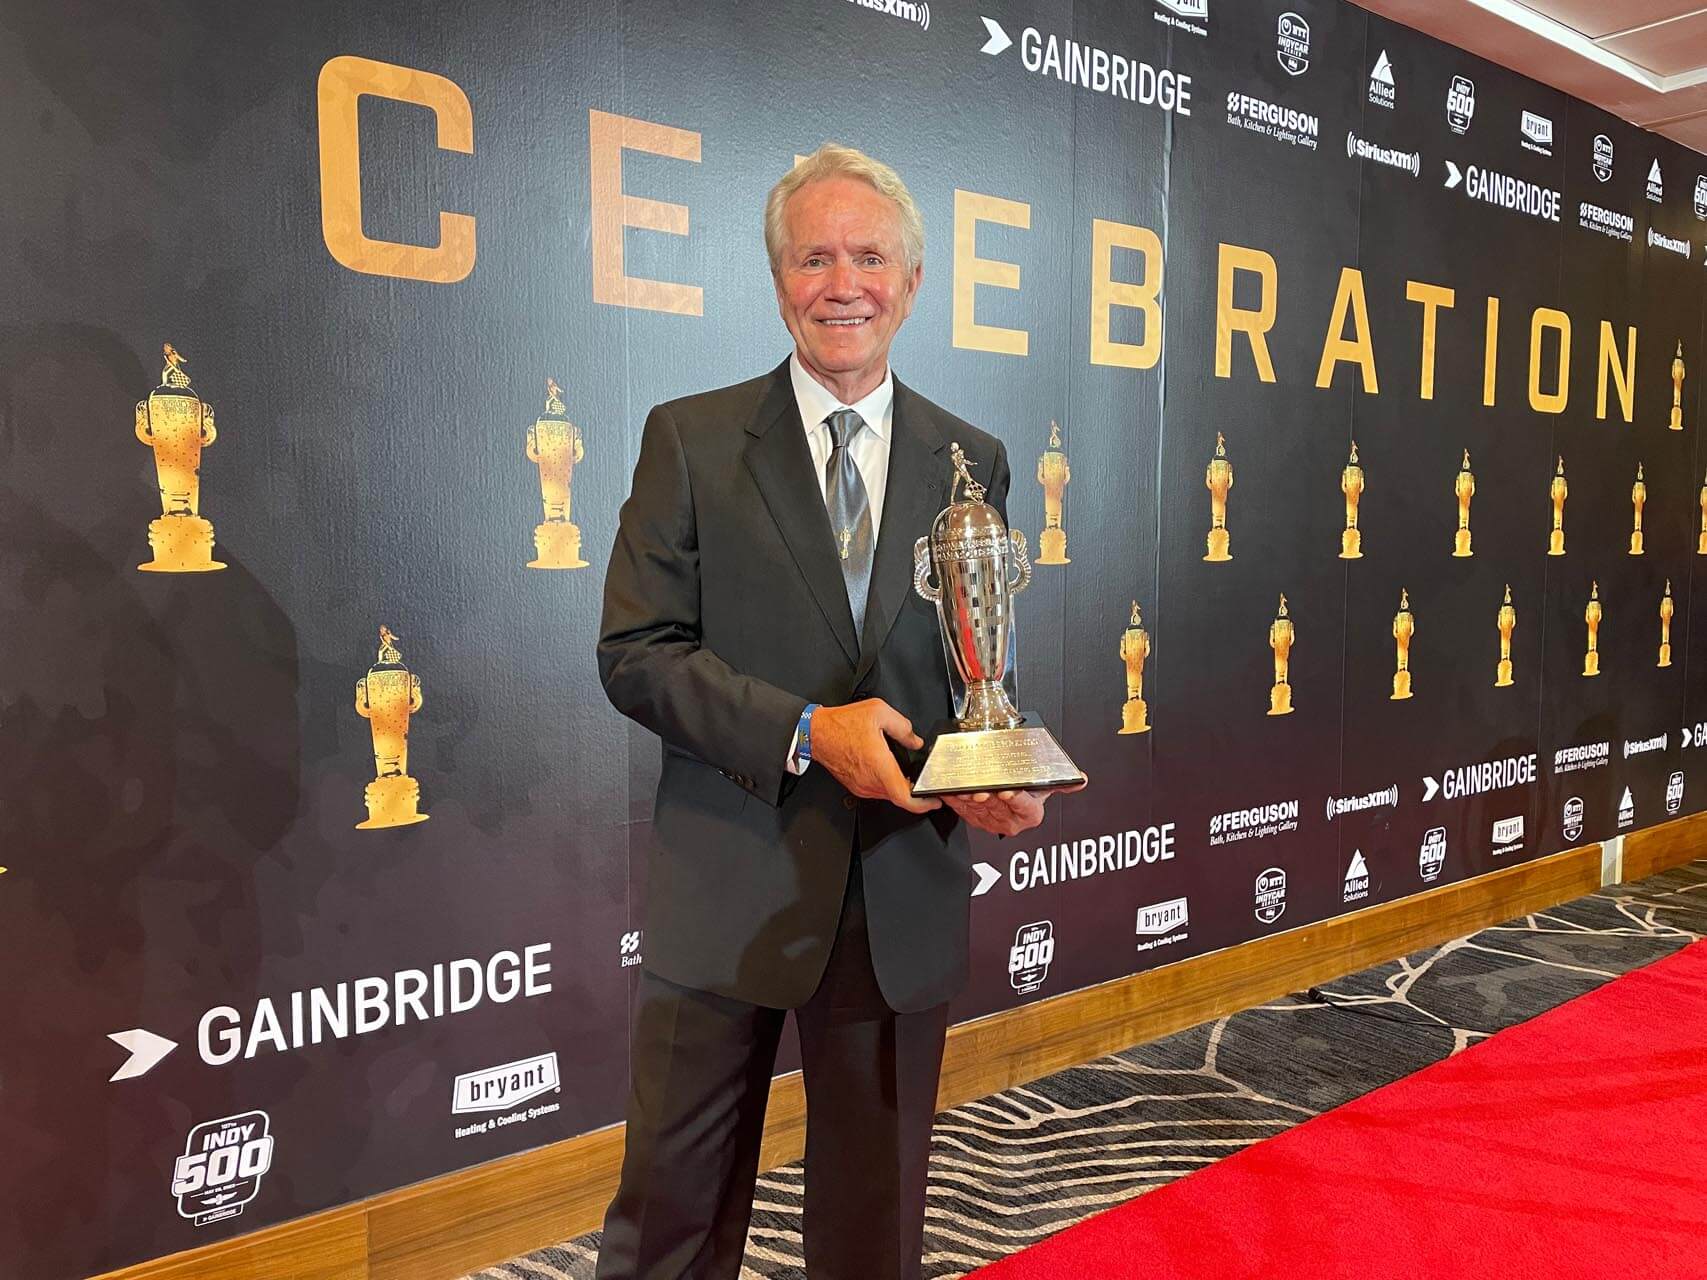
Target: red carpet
{"type": "Point", "coordinates": [1572, 1145]}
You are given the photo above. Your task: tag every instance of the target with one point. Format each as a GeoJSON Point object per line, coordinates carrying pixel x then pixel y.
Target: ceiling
{"type": "Point", "coordinates": [1644, 60]}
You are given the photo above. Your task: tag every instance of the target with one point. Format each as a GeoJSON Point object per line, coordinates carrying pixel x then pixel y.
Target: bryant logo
{"type": "Point", "coordinates": [1028, 961]}
{"type": "Point", "coordinates": [499, 1088]}
{"type": "Point", "coordinates": [1674, 792]}
{"type": "Point", "coordinates": [1271, 895]}
{"type": "Point", "coordinates": [222, 1165]}
{"type": "Point", "coordinates": [1571, 820]}
{"type": "Point", "coordinates": [1603, 157]}
{"type": "Point", "coordinates": [1508, 835]}
{"type": "Point", "coordinates": [1461, 104]}
{"type": "Point", "coordinates": [1187, 8]}
{"type": "Point", "coordinates": [1537, 133]}
{"type": "Point", "coordinates": [1432, 856]}
{"type": "Point", "coordinates": [1293, 44]}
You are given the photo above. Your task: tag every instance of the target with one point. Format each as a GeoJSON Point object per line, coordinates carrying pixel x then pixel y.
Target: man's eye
{"type": "Point", "coordinates": [871, 260]}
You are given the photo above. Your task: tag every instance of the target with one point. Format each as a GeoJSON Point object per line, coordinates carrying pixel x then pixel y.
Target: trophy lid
{"type": "Point", "coordinates": [965, 519]}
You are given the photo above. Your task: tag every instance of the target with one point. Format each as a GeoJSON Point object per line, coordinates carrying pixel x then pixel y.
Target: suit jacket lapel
{"type": "Point", "coordinates": [912, 497]}
{"type": "Point", "coordinates": [781, 462]}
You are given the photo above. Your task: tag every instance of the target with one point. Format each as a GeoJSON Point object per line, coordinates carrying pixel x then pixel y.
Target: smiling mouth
{"type": "Point", "coordinates": [846, 322]}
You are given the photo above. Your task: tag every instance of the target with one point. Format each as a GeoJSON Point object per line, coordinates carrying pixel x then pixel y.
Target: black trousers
{"type": "Point", "coordinates": [700, 1078]}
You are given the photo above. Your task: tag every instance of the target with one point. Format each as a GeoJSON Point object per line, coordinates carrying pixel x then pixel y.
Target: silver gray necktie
{"type": "Point", "coordinates": [850, 510]}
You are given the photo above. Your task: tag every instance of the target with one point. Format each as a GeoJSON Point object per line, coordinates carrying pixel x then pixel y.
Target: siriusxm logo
{"type": "Point", "coordinates": [1461, 104]}
{"type": "Point", "coordinates": [1602, 157]}
{"type": "Point", "coordinates": [1339, 806]}
{"type": "Point", "coordinates": [1357, 148]}
{"type": "Point", "coordinates": [1671, 244]}
{"type": "Point", "coordinates": [499, 1088]}
{"type": "Point", "coordinates": [917, 12]}
{"type": "Point", "coordinates": [1645, 745]}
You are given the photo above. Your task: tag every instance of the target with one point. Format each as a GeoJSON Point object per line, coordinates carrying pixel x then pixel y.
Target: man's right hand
{"type": "Point", "coordinates": [851, 742]}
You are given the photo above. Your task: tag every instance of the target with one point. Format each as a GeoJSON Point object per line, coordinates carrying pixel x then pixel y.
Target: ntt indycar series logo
{"type": "Point", "coordinates": [1271, 895]}
{"type": "Point", "coordinates": [1361, 149]}
{"type": "Point", "coordinates": [1339, 806]}
{"type": "Point", "coordinates": [1253, 824]}
{"type": "Point", "coordinates": [1602, 157]}
{"type": "Point", "coordinates": [1284, 124]}
{"type": "Point", "coordinates": [917, 12]}
{"type": "Point", "coordinates": [1293, 44]}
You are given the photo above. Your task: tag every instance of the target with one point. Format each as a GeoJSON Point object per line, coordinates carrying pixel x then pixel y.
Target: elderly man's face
{"type": "Point", "coordinates": [842, 284]}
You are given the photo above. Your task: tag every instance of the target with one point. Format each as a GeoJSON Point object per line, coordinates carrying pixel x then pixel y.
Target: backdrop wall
{"type": "Point", "coordinates": [371, 233]}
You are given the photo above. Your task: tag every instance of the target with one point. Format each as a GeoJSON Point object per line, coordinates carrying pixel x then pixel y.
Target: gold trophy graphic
{"type": "Point", "coordinates": [1507, 624]}
{"type": "Point", "coordinates": [1558, 492]}
{"type": "Point", "coordinates": [386, 697]}
{"type": "Point", "coordinates": [1280, 636]}
{"type": "Point", "coordinates": [1592, 616]}
{"type": "Point", "coordinates": [1464, 487]}
{"type": "Point", "coordinates": [1404, 627]}
{"type": "Point", "coordinates": [1701, 542]}
{"type": "Point", "coordinates": [177, 424]}
{"type": "Point", "coordinates": [1677, 389]}
{"type": "Point", "coordinates": [1638, 499]}
{"type": "Point", "coordinates": [1134, 648]}
{"type": "Point", "coordinates": [1667, 607]}
{"type": "Point", "coordinates": [1218, 479]}
{"type": "Point", "coordinates": [554, 443]}
{"type": "Point", "coordinates": [1053, 473]}
{"type": "Point", "coordinates": [1351, 484]}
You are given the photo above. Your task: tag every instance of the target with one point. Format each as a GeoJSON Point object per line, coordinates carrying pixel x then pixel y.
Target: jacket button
{"type": "Point", "coordinates": [850, 802]}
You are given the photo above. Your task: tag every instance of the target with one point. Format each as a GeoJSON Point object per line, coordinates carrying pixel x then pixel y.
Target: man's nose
{"type": "Point", "coordinates": [844, 279]}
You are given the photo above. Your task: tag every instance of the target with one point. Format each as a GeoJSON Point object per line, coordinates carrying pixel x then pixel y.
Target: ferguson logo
{"type": "Point", "coordinates": [1264, 820]}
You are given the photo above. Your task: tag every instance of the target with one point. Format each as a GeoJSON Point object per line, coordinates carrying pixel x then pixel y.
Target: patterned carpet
{"type": "Point", "coordinates": [1012, 1168]}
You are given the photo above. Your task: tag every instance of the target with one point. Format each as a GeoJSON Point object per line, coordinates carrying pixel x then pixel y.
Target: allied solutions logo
{"type": "Point", "coordinates": [1431, 857]}
{"type": "Point", "coordinates": [1184, 15]}
{"type": "Point", "coordinates": [916, 12]}
{"type": "Point", "coordinates": [1163, 923]}
{"type": "Point", "coordinates": [505, 1089]}
{"type": "Point", "coordinates": [1626, 810]}
{"type": "Point", "coordinates": [1571, 818]}
{"type": "Point", "coordinates": [1537, 134]}
{"type": "Point", "coordinates": [1253, 824]}
{"type": "Point", "coordinates": [1461, 104]}
{"type": "Point", "coordinates": [1292, 44]}
{"type": "Point", "coordinates": [1382, 91]}
{"type": "Point", "coordinates": [1656, 183]}
{"type": "Point", "coordinates": [1602, 160]}
{"type": "Point", "coordinates": [1271, 895]}
{"type": "Point", "coordinates": [222, 1166]}
{"type": "Point", "coordinates": [1029, 957]}
{"type": "Point", "coordinates": [1357, 148]}
{"type": "Point", "coordinates": [1283, 124]}
{"type": "Point", "coordinates": [1339, 806]}
{"type": "Point", "coordinates": [1356, 878]}
{"type": "Point", "coordinates": [1089, 66]}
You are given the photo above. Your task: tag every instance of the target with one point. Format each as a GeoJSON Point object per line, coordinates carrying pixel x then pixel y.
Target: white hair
{"type": "Point", "coordinates": [835, 161]}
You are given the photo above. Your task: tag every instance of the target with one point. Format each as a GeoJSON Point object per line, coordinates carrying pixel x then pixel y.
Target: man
{"type": "Point", "coordinates": [759, 617]}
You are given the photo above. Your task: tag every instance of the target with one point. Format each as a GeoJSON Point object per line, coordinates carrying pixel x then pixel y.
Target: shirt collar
{"type": "Point", "coordinates": [818, 402]}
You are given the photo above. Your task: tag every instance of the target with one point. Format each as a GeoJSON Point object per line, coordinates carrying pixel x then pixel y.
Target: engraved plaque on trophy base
{"type": "Point", "coordinates": [559, 545]}
{"type": "Point", "coordinates": [181, 544]}
{"type": "Point", "coordinates": [1023, 759]}
{"type": "Point", "coordinates": [392, 802]}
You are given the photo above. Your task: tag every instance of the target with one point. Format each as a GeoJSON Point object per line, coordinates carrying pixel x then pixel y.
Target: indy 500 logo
{"type": "Point", "coordinates": [1028, 960]}
{"type": "Point", "coordinates": [222, 1165]}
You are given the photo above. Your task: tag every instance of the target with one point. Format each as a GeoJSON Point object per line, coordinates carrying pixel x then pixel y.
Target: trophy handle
{"type": "Point", "coordinates": [209, 432]}
{"type": "Point", "coordinates": [922, 570]}
{"type": "Point", "coordinates": [1023, 561]}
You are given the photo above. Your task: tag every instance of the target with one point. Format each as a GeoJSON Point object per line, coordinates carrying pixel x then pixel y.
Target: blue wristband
{"type": "Point", "coordinates": [803, 734]}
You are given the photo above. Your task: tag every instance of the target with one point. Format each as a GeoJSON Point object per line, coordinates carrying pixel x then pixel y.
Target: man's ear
{"type": "Point", "coordinates": [913, 287]}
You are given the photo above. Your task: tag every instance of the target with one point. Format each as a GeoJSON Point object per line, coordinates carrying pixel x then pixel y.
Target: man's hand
{"type": "Point", "coordinates": [851, 743]}
{"type": "Point", "coordinates": [1004, 813]}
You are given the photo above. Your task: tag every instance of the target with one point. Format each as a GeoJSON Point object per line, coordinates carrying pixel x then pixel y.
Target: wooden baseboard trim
{"type": "Point", "coordinates": [449, 1226]}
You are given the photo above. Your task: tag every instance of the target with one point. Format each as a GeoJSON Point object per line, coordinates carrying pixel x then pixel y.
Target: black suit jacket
{"type": "Point", "coordinates": [725, 613]}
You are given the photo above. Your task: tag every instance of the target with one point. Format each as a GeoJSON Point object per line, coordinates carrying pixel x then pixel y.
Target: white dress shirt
{"type": "Point", "coordinates": [869, 447]}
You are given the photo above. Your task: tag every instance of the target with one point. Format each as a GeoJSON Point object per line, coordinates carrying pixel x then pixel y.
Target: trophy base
{"type": "Point", "coordinates": [558, 543]}
{"type": "Point", "coordinates": [1665, 656]}
{"type": "Point", "coordinates": [1135, 716]}
{"type": "Point", "coordinates": [181, 544]}
{"type": "Point", "coordinates": [1351, 545]}
{"type": "Point", "coordinates": [1280, 700]}
{"type": "Point", "coordinates": [1701, 545]}
{"type": "Point", "coordinates": [1556, 544]}
{"type": "Point", "coordinates": [1636, 545]}
{"type": "Point", "coordinates": [1052, 547]}
{"type": "Point", "coordinates": [1461, 544]}
{"type": "Point", "coordinates": [1591, 664]}
{"type": "Point", "coordinates": [1502, 678]}
{"type": "Point", "coordinates": [1219, 546]}
{"type": "Point", "coordinates": [392, 802]}
{"type": "Point", "coordinates": [1023, 759]}
{"type": "Point", "coordinates": [1401, 686]}
{"type": "Point", "coordinates": [1676, 423]}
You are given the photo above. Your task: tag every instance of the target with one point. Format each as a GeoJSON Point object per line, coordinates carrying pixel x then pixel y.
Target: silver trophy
{"type": "Point", "coordinates": [979, 566]}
